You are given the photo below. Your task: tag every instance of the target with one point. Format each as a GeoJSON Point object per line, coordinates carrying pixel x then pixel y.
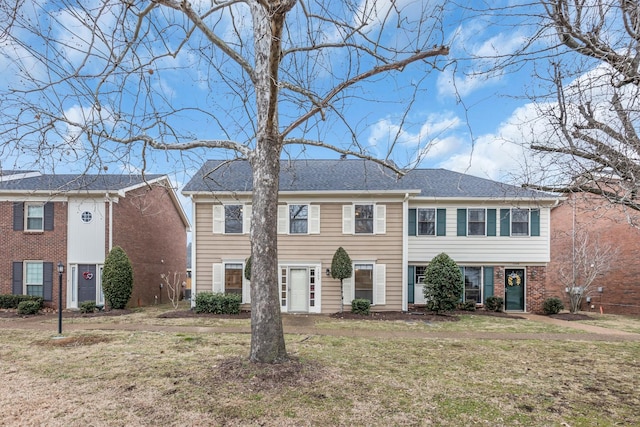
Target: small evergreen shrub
{"type": "Point", "coordinates": [217, 303]}
{"type": "Point", "coordinates": [12, 301]}
{"type": "Point", "coordinates": [117, 278]}
{"type": "Point", "coordinates": [467, 306]}
{"type": "Point", "coordinates": [88, 307]}
{"type": "Point", "coordinates": [552, 305]}
{"type": "Point", "coordinates": [493, 303]}
{"type": "Point", "coordinates": [361, 306]}
{"type": "Point", "coordinates": [443, 284]}
{"type": "Point", "coordinates": [29, 307]}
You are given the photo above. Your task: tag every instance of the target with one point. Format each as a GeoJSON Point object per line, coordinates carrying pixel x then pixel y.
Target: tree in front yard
{"type": "Point", "coordinates": [117, 278]}
{"type": "Point", "coordinates": [341, 268]}
{"type": "Point", "coordinates": [442, 284]}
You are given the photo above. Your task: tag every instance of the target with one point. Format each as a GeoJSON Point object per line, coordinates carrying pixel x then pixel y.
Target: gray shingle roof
{"type": "Point", "coordinates": [64, 183]}
{"type": "Point", "coordinates": [353, 175]}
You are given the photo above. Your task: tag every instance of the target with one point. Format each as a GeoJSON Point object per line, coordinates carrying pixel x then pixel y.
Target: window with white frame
{"type": "Point", "coordinates": [233, 219]}
{"type": "Point", "coordinates": [298, 219]}
{"type": "Point", "coordinates": [34, 218]}
{"type": "Point", "coordinates": [363, 281]}
{"type": "Point", "coordinates": [233, 278]}
{"type": "Point", "coordinates": [476, 222]}
{"type": "Point", "coordinates": [34, 278]}
{"type": "Point", "coordinates": [519, 222]}
{"type": "Point", "coordinates": [363, 219]}
{"type": "Point", "coordinates": [472, 284]}
{"type": "Point", "coordinates": [426, 222]}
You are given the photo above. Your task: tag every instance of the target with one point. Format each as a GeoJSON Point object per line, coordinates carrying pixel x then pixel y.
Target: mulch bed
{"type": "Point", "coordinates": [571, 316]}
{"type": "Point", "coordinates": [420, 315]}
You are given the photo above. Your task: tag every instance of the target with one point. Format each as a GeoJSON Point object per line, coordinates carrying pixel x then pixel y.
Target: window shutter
{"type": "Point", "coordinates": [47, 280]}
{"type": "Point", "coordinates": [18, 217]}
{"type": "Point", "coordinates": [16, 287]}
{"type": "Point", "coordinates": [218, 219]}
{"type": "Point", "coordinates": [218, 284]}
{"type": "Point", "coordinates": [462, 222]}
{"type": "Point", "coordinates": [283, 219]}
{"type": "Point", "coordinates": [505, 222]}
{"type": "Point", "coordinates": [441, 225]}
{"type": "Point", "coordinates": [488, 283]}
{"type": "Point", "coordinates": [413, 229]}
{"type": "Point", "coordinates": [381, 219]}
{"type": "Point", "coordinates": [347, 290]}
{"type": "Point", "coordinates": [491, 222]}
{"type": "Point", "coordinates": [379, 284]}
{"type": "Point", "coordinates": [48, 216]}
{"type": "Point", "coordinates": [246, 219]}
{"type": "Point", "coordinates": [314, 219]}
{"type": "Point", "coordinates": [347, 220]}
{"type": "Point", "coordinates": [411, 285]}
{"type": "Point", "coordinates": [535, 222]}
{"type": "Point", "coordinates": [246, 288]}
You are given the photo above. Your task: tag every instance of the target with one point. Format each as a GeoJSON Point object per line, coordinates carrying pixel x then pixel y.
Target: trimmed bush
{"type": "Point", "coordinates": [443, 284]}
{"type": "Point", "coordinates": [217, 303]}
{"type": "Point", "coordinates": [88, 307]}
{"type": "Point", "coordinates": [29, 307]}
{"type": "Point", "coordinates": [12, 301]}
{"type": "Point", "coordinates": [493, 303]}
{"type": "Point", "coordinates": [117, 278]}
{"type": "Point", "coordinates": [361, 306]}
{"type": "Point", "coordinates": [552, 305]}
{"type": "Point", "coordinates": [467, 306]}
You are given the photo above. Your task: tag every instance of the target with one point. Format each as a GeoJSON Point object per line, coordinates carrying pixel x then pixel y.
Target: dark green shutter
{"type": "Point", "coordinates": [412, 222]}
{"type": "Point", "coordinates": [505, 222]}
{"type": "Point", "coordinates": [48, 216]}
{"type": "Point", "coordinates": [462, 222]}
{"type": "Point", "coordinates": [535, 222]}
{"type": "Point", "coordinates": [411, 276]}
{"type": "Point", "coordinates": [441, 218]}
{"type": "Point", "coordinates": [488, 283]}
{"type": "Point", "coordinates": [47, 280]}
{"type": "Point", "coordinates": [18, 216]}
{"type": "Point", "coordinates": [491, 222]}
{"type": "Point", "coordinates": [16, 279]}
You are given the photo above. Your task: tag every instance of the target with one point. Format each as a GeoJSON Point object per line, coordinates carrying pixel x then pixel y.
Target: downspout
{"type": "Point", "coordinates": [110, 222]}
{"type": "Point", "coordinates": [193, 252]}
{"type": "Point", "coordinates": [405, 251]}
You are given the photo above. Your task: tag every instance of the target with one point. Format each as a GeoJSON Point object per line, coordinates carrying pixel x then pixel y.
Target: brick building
{"type": "Point", "coordinates": [76, 220]}
{"type": "Point", "coordinates": [616, 291]}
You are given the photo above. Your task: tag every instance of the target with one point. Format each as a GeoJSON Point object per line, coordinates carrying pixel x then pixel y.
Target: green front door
{"type": "Point", "coordinates": [514, 289]}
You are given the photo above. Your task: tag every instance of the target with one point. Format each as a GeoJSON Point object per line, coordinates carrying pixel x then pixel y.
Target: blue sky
{"type": "Point", "coordinates": [467, 118]}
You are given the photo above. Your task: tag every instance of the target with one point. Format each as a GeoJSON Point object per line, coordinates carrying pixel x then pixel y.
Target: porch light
{"type": "Point", "coordinates": [328, 272]}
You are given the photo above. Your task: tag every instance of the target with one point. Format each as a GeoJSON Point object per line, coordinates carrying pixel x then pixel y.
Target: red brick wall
{"type": "Point", "coordinates": [48, 246]}
{"type": "Point", "coordinates": [535, 292]}
{"type": "Point", "coordinates": [609, 225]}
{"type": "Point", "coordinates": [148, 227]}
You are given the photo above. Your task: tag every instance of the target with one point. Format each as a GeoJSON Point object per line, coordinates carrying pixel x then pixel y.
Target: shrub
{"type": "Point", "coordinates": [552, 305]}
{"type": "Point", "coordinates": [467, 306]}
{"type": "Point", "coordinates": [361, 306]}
{"type": "Point", "coordinates": [341, 268]}
{"type": "Point", "coordinates": [442, 284]}
{"type": "Point", "coordinates": [29, 307]}
{"type": "Point", "coordinates": [88, 307]}
{"type": "Point", "coordinates": [12, 301]}
{"type": "Point", "coordinates": [217, 303]}
{"type": "Point", "coordinates": [117, 278]}
{"type": "Point", "coordinates": [493, 303]}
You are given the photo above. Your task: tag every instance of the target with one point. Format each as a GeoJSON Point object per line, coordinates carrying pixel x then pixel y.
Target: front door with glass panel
{"type": "Point", "coordinates": [514, 289]}
{"type": "Point", "coordinates": [299, 290]}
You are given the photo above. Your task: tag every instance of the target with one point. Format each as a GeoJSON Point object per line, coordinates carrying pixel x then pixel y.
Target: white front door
{"type": "Point", "coordinates": [299, 291]}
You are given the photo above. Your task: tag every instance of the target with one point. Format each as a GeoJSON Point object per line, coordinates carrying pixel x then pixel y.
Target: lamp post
{"type": "Point", "coordinates": [60, 271]}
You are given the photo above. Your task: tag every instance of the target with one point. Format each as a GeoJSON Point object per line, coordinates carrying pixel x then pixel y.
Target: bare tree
{"type": "Point", "coordinates": [90, 84]}
{"type": "Point", "coordinates": [583, 261]}
{"type": "Point", "coordinates": [590, 142]}
{"type": "Point", "coordinates": [175, 285]}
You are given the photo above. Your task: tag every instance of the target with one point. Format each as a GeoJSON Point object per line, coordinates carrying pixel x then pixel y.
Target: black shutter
{"type": "Point", "coordinates": [47, 280]}
{"type": "Point", "coordinates": [16, 288]}
{"type": "Point", "coordinates": [48, 216]}
{"type": "Point", "coordinates": [18, 216]}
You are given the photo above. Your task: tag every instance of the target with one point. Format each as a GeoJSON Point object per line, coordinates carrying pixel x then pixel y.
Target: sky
{"type": "Point", "coordinates": [464, 117]}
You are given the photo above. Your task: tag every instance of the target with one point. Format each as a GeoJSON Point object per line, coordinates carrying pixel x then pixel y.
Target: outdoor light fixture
{"type": "Point", "coordinates": [328, 272]}
{"type": "Point", "coordinates": [60, 271]}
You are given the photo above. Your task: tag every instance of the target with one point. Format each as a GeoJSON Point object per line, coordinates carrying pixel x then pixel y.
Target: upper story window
{"type": "Point", "coordinates": [426, 222]}
{"type": "Point", "coordinates": [363, 219]}
{"type": "Point", "coordinates": [86, 217]}
{"type": "Point", "coordinates": [476, 222]}
{"type": "Point", "coordinates": [34, 218]}
{"type": "Point", "coordinates": [233, 219]}
{"type": "Point", "coordinates": [519, 222]}
{"type": "Point", "coordinates": [298, 219]}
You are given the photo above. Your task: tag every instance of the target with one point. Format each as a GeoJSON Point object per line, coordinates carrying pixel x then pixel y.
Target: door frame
{"type": "Point", "coordinates": [522, 285]}
{"type": "Point", "coordinates": [314, 285]}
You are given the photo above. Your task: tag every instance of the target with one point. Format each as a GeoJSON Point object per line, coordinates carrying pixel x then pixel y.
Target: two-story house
{"type": "Point", "coordinates": [76, 220]}
{"type": "Point", "coordinates": [390, 226]}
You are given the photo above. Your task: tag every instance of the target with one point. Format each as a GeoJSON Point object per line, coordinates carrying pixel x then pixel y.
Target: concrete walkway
{"type": "Point", "coordinates": [306, 325]}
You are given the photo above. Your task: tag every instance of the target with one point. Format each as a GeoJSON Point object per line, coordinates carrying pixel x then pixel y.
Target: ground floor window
{"type": "Point", "coordinates": [472, 284]}
{"type": "Point", "coordinates": [363, 275]}
{"type": "Point", "coordinates": [233, 279]}
{"type": "Point", "coordinates": [34, 278]}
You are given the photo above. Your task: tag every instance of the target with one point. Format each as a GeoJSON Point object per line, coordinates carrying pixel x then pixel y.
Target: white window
{"type": "Point", "coordinates": [34, 218]}
{"type": "Point", "coordinates": [299, 218]}
{"type": "Point", "coordinates": [364, 219]}
{"type": "Point", "coordinates": [476, 222]}
{"type": "Point", "coordinates": [519, 222]}
{"type": "Point", "coordinates": [368, 281]}
{"type": "Point", "coordinates": [426, 222]}
{"type": "Point", "coordinates": [472, 284]}
{"type": "Point", "coordinates": [228, 277]}
{"type": "Point", "coordinates": [233, 278]}
{"type": "Point", "coordinates": [34, 278]}
{"type": "Point", "coordinates": [231, 219]}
